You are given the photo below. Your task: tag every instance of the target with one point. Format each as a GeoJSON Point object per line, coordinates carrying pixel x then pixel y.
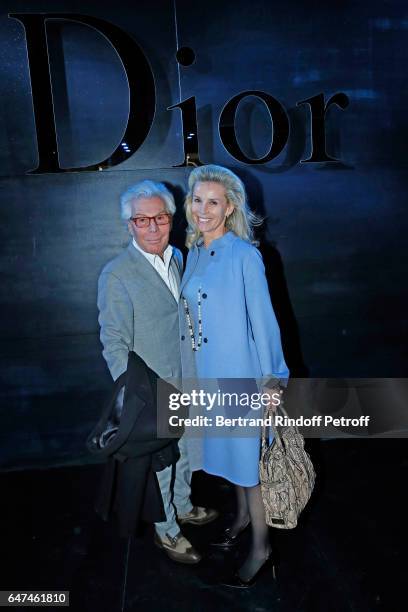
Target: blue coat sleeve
{"type": "Point", "coordinates": [179, 260]}
{"type": "Point", "coordinates": [264, 326]}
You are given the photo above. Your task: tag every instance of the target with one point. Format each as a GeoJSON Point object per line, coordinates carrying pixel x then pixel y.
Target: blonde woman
{"type": "Point", "coordinates": [229, 331]}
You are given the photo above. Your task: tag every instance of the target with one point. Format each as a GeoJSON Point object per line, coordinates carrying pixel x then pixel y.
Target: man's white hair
{"type": "Point", "coordinates": [146, 189]}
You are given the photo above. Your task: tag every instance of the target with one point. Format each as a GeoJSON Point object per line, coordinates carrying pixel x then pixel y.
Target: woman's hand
{"type": "Point", "coordinates": [275, 397]}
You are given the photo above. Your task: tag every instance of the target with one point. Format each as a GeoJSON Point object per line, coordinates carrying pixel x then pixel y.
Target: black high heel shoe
{"type": "Point", "coordinates": [235, 581]}
{"type": "Point", "coordinates": [226, 540]}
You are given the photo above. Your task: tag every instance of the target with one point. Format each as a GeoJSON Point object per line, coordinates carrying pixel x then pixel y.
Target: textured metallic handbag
{"type": "Point", "coordinates": [286, 475]}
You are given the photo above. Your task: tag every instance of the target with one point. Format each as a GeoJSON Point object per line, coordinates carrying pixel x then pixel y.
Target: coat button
{"type": "Point", "coordinates": [205, 340]}
{"type": "Point", "coordinates": [212, 253]}
{"type": "Point", "coordinates": [183, 337]}
{"type": "Point", "coordinates": [204, 295]}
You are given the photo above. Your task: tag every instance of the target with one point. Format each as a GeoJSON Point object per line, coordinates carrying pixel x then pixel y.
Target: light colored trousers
{"type": "Point", "coordinates": [175, 498]}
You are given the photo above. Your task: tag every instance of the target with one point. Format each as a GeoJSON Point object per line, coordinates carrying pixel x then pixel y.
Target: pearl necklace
{"type": "Point", "coordinates": [194, 345]}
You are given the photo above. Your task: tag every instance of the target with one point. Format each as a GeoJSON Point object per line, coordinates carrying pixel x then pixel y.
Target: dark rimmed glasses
{"type": "Point", "coordinates": [143, 222]}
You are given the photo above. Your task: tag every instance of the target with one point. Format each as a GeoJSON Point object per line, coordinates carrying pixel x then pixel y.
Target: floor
{"type": "Point", "coordinates": [345, 555]}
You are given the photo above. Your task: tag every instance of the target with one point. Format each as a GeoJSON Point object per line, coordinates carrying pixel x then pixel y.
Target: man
{"type": "Point", "coordinates": [138, 295]}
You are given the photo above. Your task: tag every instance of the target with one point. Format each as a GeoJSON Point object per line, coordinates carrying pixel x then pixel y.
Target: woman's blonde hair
{"type": "Point", "coordinates": [241, 221]}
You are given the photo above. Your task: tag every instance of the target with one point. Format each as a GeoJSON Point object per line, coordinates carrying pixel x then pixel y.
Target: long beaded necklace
{"type": "Point", "coordinates": [194, 345]}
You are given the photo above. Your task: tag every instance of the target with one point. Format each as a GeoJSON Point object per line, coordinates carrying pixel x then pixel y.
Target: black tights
{"type": "Point", "coordinates": [250, 509]}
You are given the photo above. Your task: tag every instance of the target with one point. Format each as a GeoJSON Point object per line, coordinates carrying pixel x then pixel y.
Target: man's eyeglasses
{"type": "Point", "coordinates": [160, 219]}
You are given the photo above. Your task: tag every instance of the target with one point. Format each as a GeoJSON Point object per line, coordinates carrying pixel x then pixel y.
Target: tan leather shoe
{"type": "Point", "coordinates": [178, 548]}
{"type": "Point", "coordinates": [198, 516]}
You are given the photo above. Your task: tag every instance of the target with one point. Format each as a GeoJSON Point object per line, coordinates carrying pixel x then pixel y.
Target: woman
{"type": "Point", "coordinates": [229, 331]}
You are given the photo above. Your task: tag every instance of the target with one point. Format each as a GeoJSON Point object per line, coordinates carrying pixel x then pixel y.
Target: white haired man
{"type": "Point", "coordinates": [138, 295]}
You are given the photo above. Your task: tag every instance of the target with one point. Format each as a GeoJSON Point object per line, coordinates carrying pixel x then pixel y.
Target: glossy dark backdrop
{"type": "Point", "coordinates": [335, 240]}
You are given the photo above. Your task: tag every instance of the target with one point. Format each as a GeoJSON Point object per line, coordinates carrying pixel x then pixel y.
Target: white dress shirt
{"type": "Point", "coordinates": [162, 267]}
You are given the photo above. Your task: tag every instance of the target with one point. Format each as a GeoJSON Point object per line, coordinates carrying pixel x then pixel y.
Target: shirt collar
{"type": "Point", "coordinates": [155, 259]}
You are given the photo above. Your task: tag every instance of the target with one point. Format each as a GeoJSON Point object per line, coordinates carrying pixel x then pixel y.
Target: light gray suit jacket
{"type": "Point", "coordinates": [137, 312]}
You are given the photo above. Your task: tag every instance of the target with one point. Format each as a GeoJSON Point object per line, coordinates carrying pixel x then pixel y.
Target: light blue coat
{"type": "Point", "coordinates": [241, 339]}
{"type": "Point", "coordinates": [239, 325]}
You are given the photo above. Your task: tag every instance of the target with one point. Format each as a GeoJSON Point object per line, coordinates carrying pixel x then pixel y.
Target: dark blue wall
{"type": "Point", "coordinates": [335, 237]}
